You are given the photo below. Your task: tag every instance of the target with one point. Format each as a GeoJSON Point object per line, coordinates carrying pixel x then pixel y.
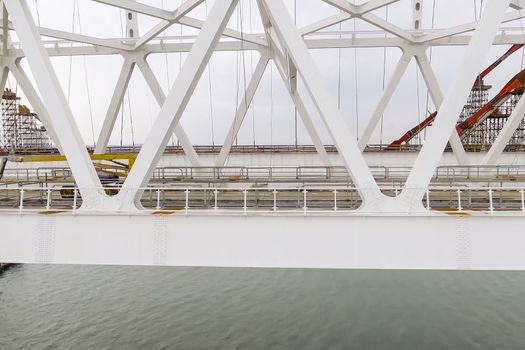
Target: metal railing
{"type": "Point", "coordinates": [304, 200]}
{"type": "Point", "coordinates": [303, 174]}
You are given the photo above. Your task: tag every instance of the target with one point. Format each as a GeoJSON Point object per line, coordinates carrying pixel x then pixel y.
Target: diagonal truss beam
{"type": "Point", "coordinates": [55, 102]}
{"type": "Point", "coordinates": [114, 106]}
{"type": "Point", "coordinates": [325, 23]}
{"type": "Point", "coordinates": [308, 123]}
{"type": "Point", "coordinates": [288, 72]}
{"type": "Point", "coordinates": [391, 87]}
{"type": "Point", "coordinates": [430, 155]}
{"type": "Point", "coordinates": [235, 34]}
{"type": "Point", "coordinates": [186, 7]}
{"type": "Point", "coordinates": [295, 46]}
{"type": "Point", "coordinates": [35, 101]}
{"type": "Point", "coordinates": [363, 12]}
{"type": "Point", "coordinates": [242, 109]}
{"type": "Point", "coordinates": [464, 28]}
{"type": "Point", "coordinates": [160, 97]}
{"type": "Point", "coordinates": [178, 98]}
{"type": "Point", "coordinates": [138, 7]}
{"type": "Point", "coordinates": [505, 134]}
{"type": "Point", "coordinates": [437, 98]}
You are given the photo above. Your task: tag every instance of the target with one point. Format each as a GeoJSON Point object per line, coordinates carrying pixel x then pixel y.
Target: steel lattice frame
{"type": "Point", "coordinates": [282, 42]}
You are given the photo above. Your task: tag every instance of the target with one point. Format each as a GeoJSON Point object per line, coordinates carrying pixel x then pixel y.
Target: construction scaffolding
{"type": "Point", "coordinates": [486, 133]}
{"type": "Point", "coordinates": [20, 129]}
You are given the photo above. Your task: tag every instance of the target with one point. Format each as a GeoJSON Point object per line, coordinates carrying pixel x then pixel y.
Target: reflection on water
{"type": "Point", "coordinates": [95, 307]}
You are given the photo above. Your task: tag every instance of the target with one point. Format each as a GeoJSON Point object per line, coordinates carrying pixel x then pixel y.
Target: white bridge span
{"type": "Point", "coordinates": [412, 222]}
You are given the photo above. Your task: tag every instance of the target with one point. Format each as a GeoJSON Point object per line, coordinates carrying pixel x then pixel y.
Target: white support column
{"type": "Point", "coordinates": [437, 97]}
{"type": "Point", "coordinates": [242, 109]}
{"type": "Point", "coordinates": [35, 102]}
{"type": "Point", "coordinates": [55, 102]}
{"type": "Point", "coordinates": [391, 87]}
{"type": "Point", "coordinates": [178, 98]}
{"type": "Point", "coordinates": [417, 15]}
{"type": "Point", "coordinates": [303, 112]}
{"type": "Point", "coordinates": [491, 158]}
{"type": "Point", "coordinates": [114, 106]}
{"type": "Point", "coordinates": [160, 97]}
{"type": "Point", "coordinates": [295, 46]}
{"type": "Point", "coordinates": [132, 26]}
{"type": "Point", "coordinates": [476, 54]}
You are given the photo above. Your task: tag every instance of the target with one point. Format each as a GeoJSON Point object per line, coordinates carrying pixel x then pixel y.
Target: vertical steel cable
{"type": "Point", "coordinates": [210, 88]}
{"type": "Point", "coordinates": [384, 82]}
{"type": "Point", "coordinates": [295, 107]}
{"type": "Point", "coordinates": [87, 81]}
{"type": "Point", "coordinates": [356, 81]}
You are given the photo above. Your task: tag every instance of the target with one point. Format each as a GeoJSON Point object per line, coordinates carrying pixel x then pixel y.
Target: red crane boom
{"type": "Point", "coordinates": [482, 113]}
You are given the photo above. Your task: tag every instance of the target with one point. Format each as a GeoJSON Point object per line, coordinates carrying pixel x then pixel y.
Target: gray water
{"type": "Point", "coordinates": [95, 307]}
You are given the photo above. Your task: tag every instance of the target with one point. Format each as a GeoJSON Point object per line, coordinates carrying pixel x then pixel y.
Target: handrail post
{"type": "Point", "coordinates": [158, 198]}
{"type": "Point", "coordinates": [21, 205]}
{"type": "Point", "coordinates": [48, 199]}
{"type": "Point", "coordinates": [460, 208]}
{"type": "Point", "coordinates": [304, 201]}
{"type": "Point", "coordinates": [75, 198]}
{"type": "Point", "coordinates": [245, 206]}
{"type": "Point", "coordinates": [491, 206]}
{"type": "Point", "coordinates": [216, 193]}
{"type": "Point", "coordinates": [274, 200]}
{"type": "Point", "coordinates": [522, 200]}
{"type": "Point", "coordinates": [335, 200]}
{"type": "Point", "coordinates": [187, 202]}
{"type": "Point", "coordinates": [428, 199]}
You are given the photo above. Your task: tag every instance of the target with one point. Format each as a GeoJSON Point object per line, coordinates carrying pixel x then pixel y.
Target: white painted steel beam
{"type": "Point", "coordinates": [271, 241]}
{"type": "Point", "coordinates": [186, 7]}
{"type": "Point", "coordinates": [242, 109]}
{"type": "Point", "coordinates": [325, 23]}
{"type": "Point", "coordinates": [160, 97]}
{"type": "Point", "coordinates": [139, 7]}
{"type": "Point", "coordinates": [504, 136]}
{"type": "Point", "coordinates": [373, 5]}
{"type": "Point", "coordinates": [294, 44]}
{"type": "Point", "coordinates": [303, 112]}
{"type": "Point", "coordinates": [60, 114]}
{"type": "Point", "coordinates": [391, 87]}
{"type": "Point", "coordinates": [235, 34]}
{"type": "Point", "coordinates": [468, 69]}
{"type": "Point", "coordinates": [114, 106]}
{"type": "Point", "coordinates": [464, 28]}
{"type": "Point", "coordinates": [35, 102]}
{"type": "Point", "coordinates": [178, 97]}
{"type": "Point", "coordinates": [4, 74]}
{"type": "Point", "coordinates": [437, 98]}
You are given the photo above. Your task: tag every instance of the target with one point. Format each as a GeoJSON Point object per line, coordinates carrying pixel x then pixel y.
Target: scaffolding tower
{"type": "Point", "coordinates": [486, 132]}
{"type": "Point", "coordinates": [20, 129]}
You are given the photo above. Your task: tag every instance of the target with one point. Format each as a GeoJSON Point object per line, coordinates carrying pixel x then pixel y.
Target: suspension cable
{"type": "Point", "coordinates": [295, 107]}
{"type": "Point", "coordinates": [356, 87]}
{"type": "Point", "coordinates": [252, 69]}
{"type": "Point", "coordinates": [430, 50]}
{"type": "Point", "coordinates": [418, 103]}
{"type": "Point", "coordinates": [383, 82]}
{"type": "Point", "coordinates": [210, 88]}
{"type": "Point", "coordinates": [87, 81]}
{"type": "Point", "coordinates": [271, 113]}
{"type": "Point", "coordinates": [71, 57]}
{"type": "Point", "coordinates": [121, 121]}
{"type": "Point", "coordinates": [131, 118]}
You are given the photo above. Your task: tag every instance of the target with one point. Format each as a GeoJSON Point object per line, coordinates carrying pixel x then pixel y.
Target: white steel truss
{"type": "Point", "coordinates": [288, 47]}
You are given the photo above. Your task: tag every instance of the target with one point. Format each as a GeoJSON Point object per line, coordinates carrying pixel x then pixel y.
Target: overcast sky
{"type": "Point", "coordinates": [271, 121]}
